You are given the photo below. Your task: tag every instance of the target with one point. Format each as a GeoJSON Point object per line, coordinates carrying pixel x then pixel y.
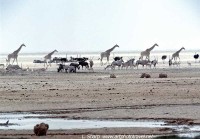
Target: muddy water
{"type": "Point", "coordinates": [28, 121]}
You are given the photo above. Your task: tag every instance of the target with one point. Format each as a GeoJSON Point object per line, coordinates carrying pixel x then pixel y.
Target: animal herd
{"type": "Point", "coordinates": [76, 63]}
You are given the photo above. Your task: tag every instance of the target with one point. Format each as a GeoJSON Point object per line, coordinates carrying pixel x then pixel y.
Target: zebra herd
{"type": "Point", "coordinates": [119, 62]}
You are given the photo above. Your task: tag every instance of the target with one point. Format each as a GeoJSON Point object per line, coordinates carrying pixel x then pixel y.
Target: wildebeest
{"type": "Point", "coordinates": [84, 64]}
{"type": "Point", "coordinates": [76, 65]}
{"type": "Point", "coordinates": [79, 59]}
{"type": "Point", "coordinates": [63, 60]}
{"type": "Point", "coordinates": [67, 68]}
{"type": "Point", "coordinates": [59, 60]}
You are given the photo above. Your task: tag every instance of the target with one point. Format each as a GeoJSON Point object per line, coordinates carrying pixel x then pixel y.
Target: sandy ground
{"type": "Point", "coordinates": [88, 95]}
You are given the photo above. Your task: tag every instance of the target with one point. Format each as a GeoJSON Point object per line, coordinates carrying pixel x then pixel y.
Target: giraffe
{"type": "Point", "coordinates": [107, 53]}
{"type": "Point", "coordinates": [147, 52]}
{"type": "Point", "coordinates": [176, 54]}
{"type": "Point", "coordinates": [48, 57]}
{"type": "Point", "coordinates": [14, 55]}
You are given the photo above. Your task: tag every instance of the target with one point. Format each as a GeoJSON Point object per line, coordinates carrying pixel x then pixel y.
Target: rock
{"type": "Point", "coordinates": [15, 67]}
{"type": "Point", "coordinates": [41, 129]}
{"type": "Point", "coordinates": [161, 75]}
{"type": "Point", "coordinates": [165, 129]}
{"type": "Point", "coordinates": [148, 76]}
{"type": "Point", "coordinates": [99, 79]}
{"type": "Point", "coordinates": [145, 75]}
{"type": "Point", "coordinates": [112, 76]}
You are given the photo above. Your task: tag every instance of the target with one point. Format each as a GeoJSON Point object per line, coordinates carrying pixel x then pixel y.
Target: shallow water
{"type": "Point", "coordinates": [28, 121]}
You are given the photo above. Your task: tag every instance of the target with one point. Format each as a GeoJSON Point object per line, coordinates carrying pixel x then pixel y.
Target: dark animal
{"type": "Point", "coordinates": [117, 58]}
{"type": "Point", "coordinates": [41, 129]}
{"type": "Point", "coordinates": [163, 58]}
{"type": "Point", "coordinates": [66, 68]}
{"type": "Point", "coordinates": [196, 56]}
{"type": "Point", "coordinates": [61, 67]}
{"type": "Point", "coordinates": [63, 60]}
{"type": "Point", "coordinates": [38, 61]}
{"type": "Point", "coordinates": [170, 62]}
{"type": "Point", "coordinates": [59, 59]}
{"type": "Point", "coordinates": [83, 63]}
{"type": "Point", "coordinates": [56, 60]}
{"type": "Point", "coordinates": [76, 65]}
{"type": "Point", "coordinates": [80, 59]}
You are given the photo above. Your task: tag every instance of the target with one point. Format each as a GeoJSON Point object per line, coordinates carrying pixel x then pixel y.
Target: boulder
{"type": "Point", "coordinates": [13, 67]}
{"type": "Point", "coordinates": [161, 75]}
{"type": "Point", "coordinates": [145, 75]}
{"type": "Point", "coordinates": [41, 129]}
{"type": "Point", "coordinates": [112, 76]}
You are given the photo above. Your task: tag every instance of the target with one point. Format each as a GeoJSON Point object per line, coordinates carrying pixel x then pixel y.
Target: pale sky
{"type": "Point", "coordinates": [97, 25]}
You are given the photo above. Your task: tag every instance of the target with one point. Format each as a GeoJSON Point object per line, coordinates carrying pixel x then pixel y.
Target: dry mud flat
{"type": "Point", "coordinates": [88, 95]}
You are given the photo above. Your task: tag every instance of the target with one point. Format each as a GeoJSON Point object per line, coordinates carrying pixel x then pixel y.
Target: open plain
{"type": "Point", "coordinates": [94, 95]}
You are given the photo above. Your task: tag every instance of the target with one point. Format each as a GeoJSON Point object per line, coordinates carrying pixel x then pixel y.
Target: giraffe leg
{"type": "Point", "coordinates": [17, 61]}
{"type": "Point", "coordinates": [7, 62]}
{"type": "Point", "coordinates": [13, 61]}
{"type": "Point", "coordinates": [101, 63]}
{"type": "Point", "coordinates": [45, 62]}
{"type": "Point", "coordinates": [108, 59]}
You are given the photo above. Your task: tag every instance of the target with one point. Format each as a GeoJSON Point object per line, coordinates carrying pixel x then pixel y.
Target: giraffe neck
{"type": "Point", "coordinates": [179, 50]}
{"type": "Point", "coordinates": [52, 52]}
{"type": "Point", "coordinates": [17, 51]}
{"type": "Point", "coordinates": [111, 49]}
{"type": "Point", "coordinates": [151, 48]}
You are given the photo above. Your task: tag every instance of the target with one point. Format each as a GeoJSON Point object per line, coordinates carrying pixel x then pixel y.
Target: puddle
{"type": "Point", "coordinates": [27, 121]}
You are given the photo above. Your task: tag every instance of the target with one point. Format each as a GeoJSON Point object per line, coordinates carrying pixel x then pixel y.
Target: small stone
{"type": "Point", "coordinates": [112, 76]}
{"type": "Point", "coordinates": [161, 75]}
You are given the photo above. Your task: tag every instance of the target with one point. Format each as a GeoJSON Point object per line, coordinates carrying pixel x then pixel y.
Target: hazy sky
{"type": "Point", "coordinates": [96, 25]}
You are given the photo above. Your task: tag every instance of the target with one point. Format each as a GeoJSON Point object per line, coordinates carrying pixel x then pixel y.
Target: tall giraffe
{"type": "Point", "coordinates": [107, 53]}
{"type": "Point", "coordinates": [14, 55]}
{"type": "Point", "coordinates": [48, 56]}
{"type": "Point", "coordinates": [176, 54]}
{"type": "Point", "coordinates": [147, 52]}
